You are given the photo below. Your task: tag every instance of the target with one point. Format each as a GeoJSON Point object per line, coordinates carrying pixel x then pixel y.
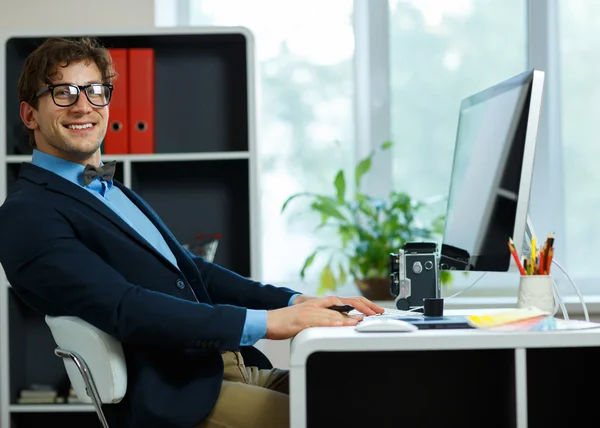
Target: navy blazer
{"type": "Point", "coordinates": [66, 253]}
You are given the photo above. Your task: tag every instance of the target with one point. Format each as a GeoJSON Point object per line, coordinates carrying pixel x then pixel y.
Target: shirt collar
{"type": "Point", "coordinates": [66, 169]}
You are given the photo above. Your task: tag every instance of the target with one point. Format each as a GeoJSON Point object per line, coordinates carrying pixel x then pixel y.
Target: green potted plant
{"type": "Point", "coordinates": [368, 228]}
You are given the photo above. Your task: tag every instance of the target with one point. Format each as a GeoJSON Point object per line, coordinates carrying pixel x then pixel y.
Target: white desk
{"type": "Point", "coordinates": [522, 379]}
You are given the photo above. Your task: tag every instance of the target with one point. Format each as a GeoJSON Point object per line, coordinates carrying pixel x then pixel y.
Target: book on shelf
{"type": "Point", "coordinates": [47, 394]}
{"type": "Point", "coordinates": [72, 397]}
{"type": "Point", "coordinates": [38, 393]}
{"type": "Point", "coordinates": [41, 400]}
{"type": "Point", "coordinates": [28, 393]}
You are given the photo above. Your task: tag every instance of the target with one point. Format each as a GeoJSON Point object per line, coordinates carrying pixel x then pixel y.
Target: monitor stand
{"type": "Point", "coordinates": [529, 233]}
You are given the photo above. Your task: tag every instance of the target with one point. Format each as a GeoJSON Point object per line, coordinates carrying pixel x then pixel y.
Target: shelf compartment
{"type": "Point", "coordinates": [201, 198]}
{"type": "Point", "coordinates": [483, 397]}
{"type": "Point", "coordinates": [201, 90]}
{"type": "Point", "coordinates": [31, 350]}
{"type": "Point", "coordinates": [557, 379]}
{"type": "Point", "coordinates": [36, 420]}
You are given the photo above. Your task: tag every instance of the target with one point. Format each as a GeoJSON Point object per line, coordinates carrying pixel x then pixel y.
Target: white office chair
{"type": "Point", "coordinates": [94, 361]}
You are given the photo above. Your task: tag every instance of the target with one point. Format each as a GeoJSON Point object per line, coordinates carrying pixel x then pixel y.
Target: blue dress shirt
{"type": "Point", "coordinates": [255, 326]}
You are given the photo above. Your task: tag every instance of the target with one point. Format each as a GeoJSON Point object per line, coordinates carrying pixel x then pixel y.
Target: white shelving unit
{"type": "Point", "coordinates": [205, 159]}
{"type": "Point", "coordinates": [50, 408]}
{"type": "Point", "coordinates": [164, 157]}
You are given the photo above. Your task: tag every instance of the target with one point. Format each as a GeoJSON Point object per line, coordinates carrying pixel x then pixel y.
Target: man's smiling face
{"type": "Point", "coordinates": [76, 132]}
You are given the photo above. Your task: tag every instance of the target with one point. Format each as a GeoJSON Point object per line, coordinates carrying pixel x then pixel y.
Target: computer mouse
{"type": "Point", "coordinates": [382, 324]}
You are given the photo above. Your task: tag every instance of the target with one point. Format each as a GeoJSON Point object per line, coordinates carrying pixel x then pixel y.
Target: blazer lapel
{"type": "Point", "coordinates": [183, 259]}
{"type": "Point", "coordinates": [185, 262]}
{"type": "Point", "coordinates": [58, 184]}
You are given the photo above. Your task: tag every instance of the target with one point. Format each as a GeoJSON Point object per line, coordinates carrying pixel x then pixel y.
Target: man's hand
{"type": "Point", "coordinates": [360, 304]}
{"type": "Point", "coordinates": [287, 322]}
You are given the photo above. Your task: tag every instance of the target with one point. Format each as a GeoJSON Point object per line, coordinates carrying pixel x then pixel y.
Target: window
{"type": "Point", "coordinates": [440, 53]}
{"type": "Point", "coordinates": [305, 102]}
{"type": "Point", "coordinates": [579, 62]}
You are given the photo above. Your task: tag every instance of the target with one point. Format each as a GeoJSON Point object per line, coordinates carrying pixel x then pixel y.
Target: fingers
{"type": "Point", "coordinates": [325, 302]}
{"type": "Point", "coordinates": [375, 308]}
{"type": "Point", "coordinates": [360, 303]}
{"type": "Point", "coordinates": [328, 318]}
{"type": "Point", "coordinates": [363, 305]}
{"type": "Point", "coordinates": [341, 320]}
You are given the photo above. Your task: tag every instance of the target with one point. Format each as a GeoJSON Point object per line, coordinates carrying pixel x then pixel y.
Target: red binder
{"type": "Point", "coordinates": [116, 140]}
{"type": "Point", "coordinates": [141, 100]}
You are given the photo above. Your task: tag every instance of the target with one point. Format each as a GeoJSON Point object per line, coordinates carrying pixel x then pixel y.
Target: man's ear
{"type": "Point", "coordinates": [29, 116]}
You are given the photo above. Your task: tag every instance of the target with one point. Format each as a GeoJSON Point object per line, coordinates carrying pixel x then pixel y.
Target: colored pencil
{"type": "Point", "coordinates": [511, 247]}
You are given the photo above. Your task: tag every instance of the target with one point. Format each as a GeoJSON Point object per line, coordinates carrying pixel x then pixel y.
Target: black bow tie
{"type": "Point", "coordinates": [105, 172]}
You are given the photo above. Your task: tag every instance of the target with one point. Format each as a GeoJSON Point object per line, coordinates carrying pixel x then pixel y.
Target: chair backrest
{"type": "Point", "coordinates": [101, 352]}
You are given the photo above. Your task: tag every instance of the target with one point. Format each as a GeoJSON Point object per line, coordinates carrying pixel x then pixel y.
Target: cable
{"type": "Point", "coordinates": [556, 291]}
{"type": "Point", "coordinates": [468, 288]}
{"type": "Point", "coordinates": [584, 306]}
{"type": "Point", "coordinates": [558, 301]}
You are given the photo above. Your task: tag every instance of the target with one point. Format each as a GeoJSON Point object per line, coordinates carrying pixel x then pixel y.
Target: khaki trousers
{"type": "Point", "coordinates": [250, 397]}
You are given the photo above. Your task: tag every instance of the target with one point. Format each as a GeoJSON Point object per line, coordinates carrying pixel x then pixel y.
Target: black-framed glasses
{"type": "Point", "coordinates": [65, 94]}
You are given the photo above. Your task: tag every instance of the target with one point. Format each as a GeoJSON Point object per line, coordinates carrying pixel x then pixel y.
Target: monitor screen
{"type": "Point", "coordinates": [492, 171]}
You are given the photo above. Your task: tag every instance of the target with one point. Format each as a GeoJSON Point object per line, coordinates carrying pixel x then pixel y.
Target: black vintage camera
{"type": "Point", "coordinates": [414, 274]}
{"type": "Point", "coordinates": [454, 258]}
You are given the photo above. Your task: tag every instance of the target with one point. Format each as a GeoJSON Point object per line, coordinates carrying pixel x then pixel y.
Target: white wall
{"type": "Point", "coordinates": [40, 16]}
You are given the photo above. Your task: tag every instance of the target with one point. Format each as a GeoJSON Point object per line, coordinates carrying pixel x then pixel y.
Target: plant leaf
{"type": "Point", "coordinates": [294, 196]}
{"type": "Point", "coordinates": [340, 186]}
{"type": "Point", "coordinates": [321, 290]}
{"type": "Point", "coordinates": [445, 277]}
{"type": "Point", "coordinates": [346, 233]}
{"type": "Point", "coordinates": [328, 208]}
{"type": "Point", "coordinates": [309, 261]}
{"type": "Point", "coordinates": [365, 165]}
{"type": "Point", "coordinates": [327, 279]}
{"type": "Point", "coordinates": [343, 275]}
{"type": "Point", "coordinates": [361, 169]}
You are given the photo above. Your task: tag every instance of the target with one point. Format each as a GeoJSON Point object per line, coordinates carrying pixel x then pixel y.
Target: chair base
{"type": "Point", "coordinates": [88, 379]}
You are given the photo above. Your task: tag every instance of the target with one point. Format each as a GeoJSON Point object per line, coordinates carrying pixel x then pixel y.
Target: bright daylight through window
{"type": "Point", "coordinates": [439, 53]}
{"type": "Point", "coordinates": [305, 128]}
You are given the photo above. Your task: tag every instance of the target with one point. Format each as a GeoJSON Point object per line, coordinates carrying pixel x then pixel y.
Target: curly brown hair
{"type": "Point", "coordinates": [42, 65]}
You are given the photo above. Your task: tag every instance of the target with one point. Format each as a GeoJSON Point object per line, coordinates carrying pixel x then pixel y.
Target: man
{"type": "Point", "coordinates": [75, 242]}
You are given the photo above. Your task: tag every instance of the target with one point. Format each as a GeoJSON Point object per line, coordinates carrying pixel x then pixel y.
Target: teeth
{"type": "Point", "coordinates": [87, 125]}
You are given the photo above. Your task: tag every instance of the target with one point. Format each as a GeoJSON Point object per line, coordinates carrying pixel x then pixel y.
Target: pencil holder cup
{"type": "Point", "coordinates": [537, 291]}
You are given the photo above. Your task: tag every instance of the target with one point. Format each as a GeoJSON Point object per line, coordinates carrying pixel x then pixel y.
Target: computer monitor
{"type": "Point", "coordinates": [488, 200]}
